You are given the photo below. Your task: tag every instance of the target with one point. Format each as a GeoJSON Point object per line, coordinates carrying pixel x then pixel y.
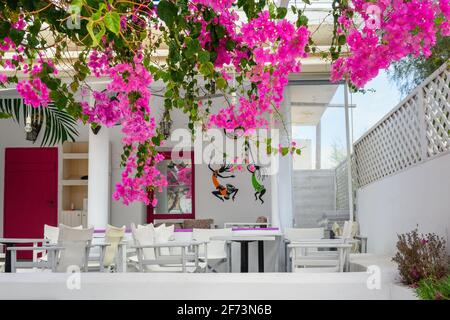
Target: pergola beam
{"type": "Point", "coordinates": [349, 153]}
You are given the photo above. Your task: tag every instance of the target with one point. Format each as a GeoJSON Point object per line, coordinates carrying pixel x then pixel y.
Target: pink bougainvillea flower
{"type": "Point", "coordinates": [34, 92]}
{"type": "Point", "coordinates": [393, 31]}
{"type": "Point", "coordinates": [3, 78]}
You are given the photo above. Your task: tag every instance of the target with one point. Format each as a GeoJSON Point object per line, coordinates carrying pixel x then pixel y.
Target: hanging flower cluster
{"type": "Point", "coordinates": [275, 47]}
{"type": "Point", "coordinates": [392, 30]}
{"type": "Point", "coordinates": [33, 91]}
{"type": "Point", "coordinates": [126, 101]}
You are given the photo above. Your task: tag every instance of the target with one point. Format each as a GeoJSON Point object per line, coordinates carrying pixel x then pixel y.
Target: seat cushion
{"type": "Point", "coordinates": [164, 234]}
{"type": "Point", "coordinates": [145, 236]}
{"type": "Point", "coordinates": [198, 224]}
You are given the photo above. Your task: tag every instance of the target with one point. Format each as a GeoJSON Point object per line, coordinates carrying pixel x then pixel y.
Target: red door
{"type": "Point", "coordinates": [31, 192]}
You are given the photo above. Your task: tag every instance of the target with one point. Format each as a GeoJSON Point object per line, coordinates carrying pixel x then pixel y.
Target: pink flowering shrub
{"type": "Point", "coordinates": [421, 256]}
{"type": "Point", "coordinates": [205, 39]}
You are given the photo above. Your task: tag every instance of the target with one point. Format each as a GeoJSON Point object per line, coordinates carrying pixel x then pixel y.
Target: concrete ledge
{"type": "Point", "coordinates": [350, 285]}
{"type": "Point", "coordinates": [210, 286]}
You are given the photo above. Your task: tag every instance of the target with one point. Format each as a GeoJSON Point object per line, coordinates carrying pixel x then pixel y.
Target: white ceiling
{"type": "Point", "coordinates": [313, 99]}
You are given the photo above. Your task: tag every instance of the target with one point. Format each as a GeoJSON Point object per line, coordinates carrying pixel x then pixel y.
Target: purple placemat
{"type": "Point", "coordinates": [184, 230]}
{"type": "Point", "coordinates": [256, 229]}
{"type": "Point", "coordinates": [129, 230]}
{"type": "Point", "coordinates": [104, 230]}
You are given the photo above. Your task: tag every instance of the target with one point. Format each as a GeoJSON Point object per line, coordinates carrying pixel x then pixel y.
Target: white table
{"type": "Point", "coordinates": [11, 242]}
{"type": "Point", "coordinates": [244, 240]}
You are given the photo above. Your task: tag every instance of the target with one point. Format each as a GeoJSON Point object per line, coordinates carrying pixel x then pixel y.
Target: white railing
{"type": "Point", "coordinates": [415, 131]}
{"type": "Point", "coordinates": [341, 186]}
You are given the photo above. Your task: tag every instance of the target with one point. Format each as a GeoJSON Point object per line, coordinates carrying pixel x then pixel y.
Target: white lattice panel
{"type": "Point", "coordinates": [341, 178]}
{"type": "Point", "coordinates": [437, 113]}
{"type": "Point", "coordinates": [392, 145]}
{"type": "Point", "coordinates": [417, 129]}
{"type": "Point", "coordinates": [341, 186]}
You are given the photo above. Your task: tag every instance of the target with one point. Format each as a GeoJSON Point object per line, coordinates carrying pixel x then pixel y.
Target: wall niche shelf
{"type": "Point", "coordinates": [75, 166]}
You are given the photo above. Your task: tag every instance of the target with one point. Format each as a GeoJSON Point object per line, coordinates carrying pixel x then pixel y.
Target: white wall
{"type": "Point", "coordinates": [243, 209]}
{"type": "Point", "coordinates": [304, 162]}
{"type": "Point", "coordinates": [419, 196]}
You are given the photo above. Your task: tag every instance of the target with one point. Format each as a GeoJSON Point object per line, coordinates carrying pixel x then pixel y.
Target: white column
{"type": "Point", "coordinates": [99, 191]}
{"type": "Point", "coordinates": [349, 153]}
{"type": "Point", "coordinates": [282, 206]}
{"type": "Point", "coordinates": [275, 218]}
{"type": "Point", "coordinates": [318, 145]}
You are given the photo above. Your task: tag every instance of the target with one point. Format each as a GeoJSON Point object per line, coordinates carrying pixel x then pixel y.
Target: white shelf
{"type": "Point", "coordinates": [72, 211]}
{"type": "Point", "coordinates": [75, 156]}
{"type": "Point", "coordinates": [74, 182]}
{"type": "Point", "coordinates": [75, 164]}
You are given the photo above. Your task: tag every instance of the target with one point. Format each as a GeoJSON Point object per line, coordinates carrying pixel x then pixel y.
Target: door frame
{"type": "Point", "coordinates": [152, 216]}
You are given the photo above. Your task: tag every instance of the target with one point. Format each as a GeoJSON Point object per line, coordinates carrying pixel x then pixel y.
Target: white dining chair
{"type": "Point", "coordinates": [291, 235]}
{"type": "Point", "coordinates": [51, 234]}
{"type": "Point", "coordinates": [77, 244]}
{"type": "Point", "coordinates": [149, 259]}
{"type": "Point", "coordinates": [72, 249]}
{"type": "Point", "coordinates": [113, 236]}
{"type": "Point", "coordinates": [213, 253]}
{"type": "Point", "coordinates": [319, 261]}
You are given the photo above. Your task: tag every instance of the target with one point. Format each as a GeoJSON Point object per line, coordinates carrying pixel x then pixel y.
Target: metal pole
{"type": "Point", "coordinates": [349, 153]}
{"type": "Point", "coordinates": [318, 145]}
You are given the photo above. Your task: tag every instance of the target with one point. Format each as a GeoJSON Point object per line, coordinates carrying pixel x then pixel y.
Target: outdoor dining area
{"type": "Point", "coordinates": [164, 248]}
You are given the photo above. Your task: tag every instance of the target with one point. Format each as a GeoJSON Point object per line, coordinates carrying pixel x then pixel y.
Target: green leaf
{"type": "Point", "coordinates": [272, 10]}
{"type": "Point", "coordinates": [77, 3]}
{"type": "Point", "coordinates": [97, 15]}
{"type": "Point", "coordinates": [16, 35]}
{"type": "Point", "coordinates": [206, 69]}
{"type": "Point", "coordinates": [112, 22]}
{"type": "Point", "coordinates": [302, 20]}
{"type": "Point", "coordinates": [284, 151]}
{"type": "Point", "coordinates": [156, 141]}
{"type": "Point", "coordinates": [168, 94]}
{"type": "Point", "coordinates": [307, 1]}
{"type": "Point", "coordinates": [167, 12]}
{"type": "Point", "coordinates": [281, 12]}
{"type": "Point", "coordinates": [180, 103]}
{"type": "Point", "coordinates": [96, 37]}
{"type": "Point", "coordinates": [230, 45]}
{"type": "Point", "coordinates": [204, 56]}
{"type": "Point", "coordinates": [221, 83]}
{"type": "Point", "coordinates": [192, 47]}
{"type": "Point", "coordinates": [90, 29]}
{"type": "Point", "coordinates": [341, 39]}
{"type": "Point", "coordinates": [4, 28]}
{"type": "Point", "coordinates": [58, 125]}
{"type": "Point", "coordinates": [4, 115]}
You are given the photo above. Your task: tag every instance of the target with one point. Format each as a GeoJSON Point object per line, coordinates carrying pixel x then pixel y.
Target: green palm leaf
{"type": "Point", "coordinates": [58, 125]}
